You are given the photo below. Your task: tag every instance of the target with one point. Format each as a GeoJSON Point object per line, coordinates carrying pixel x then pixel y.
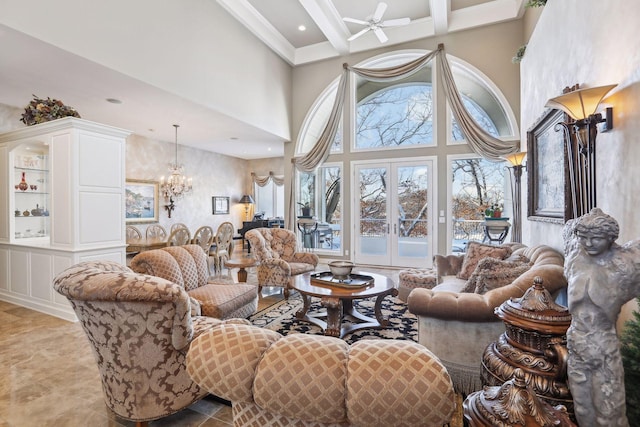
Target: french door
{"type": "Point", "coordinates": [393, 212]}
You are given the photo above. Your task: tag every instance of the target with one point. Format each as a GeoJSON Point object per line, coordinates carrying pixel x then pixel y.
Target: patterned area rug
{"type": "Point", "coordinates": [280, 317]}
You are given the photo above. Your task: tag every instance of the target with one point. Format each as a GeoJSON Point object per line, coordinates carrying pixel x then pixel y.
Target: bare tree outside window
{"type": "Point", "coordinates": [478, 184]}
{"type": "Point", "coordinates": [400, 115]}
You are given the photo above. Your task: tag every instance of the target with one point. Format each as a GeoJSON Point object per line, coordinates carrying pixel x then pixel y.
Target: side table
{"type": "Point", "coordinates": [241, 264]}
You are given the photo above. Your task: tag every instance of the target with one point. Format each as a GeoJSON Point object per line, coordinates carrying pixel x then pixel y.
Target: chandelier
{"type": "Point", "coordinates": [176, 185]}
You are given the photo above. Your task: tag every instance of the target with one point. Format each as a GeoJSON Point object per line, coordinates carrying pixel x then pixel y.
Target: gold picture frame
{"type": "Point", "coordinates": [141, 201]}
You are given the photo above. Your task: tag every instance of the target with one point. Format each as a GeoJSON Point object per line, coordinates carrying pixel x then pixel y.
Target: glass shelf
{"type": "Point", "coordinates": [30, 162]}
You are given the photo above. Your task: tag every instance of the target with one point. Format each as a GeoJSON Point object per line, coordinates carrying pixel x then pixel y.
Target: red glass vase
{"type": "Point", "coordinates": [23, 184]}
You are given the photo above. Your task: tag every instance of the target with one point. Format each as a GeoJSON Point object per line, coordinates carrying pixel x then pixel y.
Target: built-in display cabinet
{"type": "Point", "coordinates": [61, 202]}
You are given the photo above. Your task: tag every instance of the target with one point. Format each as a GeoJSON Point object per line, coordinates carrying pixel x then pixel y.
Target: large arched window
{"type": "Point", "coordinates": [404, 114]}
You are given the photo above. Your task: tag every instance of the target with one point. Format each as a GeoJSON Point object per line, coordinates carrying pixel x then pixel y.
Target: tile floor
{"type": "Point", "coordinates": [49, 376]}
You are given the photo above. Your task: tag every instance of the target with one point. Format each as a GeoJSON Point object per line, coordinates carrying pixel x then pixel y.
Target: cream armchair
{"type": "Point", "coordinates": [276, 250]}
{"type": "Point", "coordinates": [140, 329]}
{"type": "Point", "coordinates": [313, 380]}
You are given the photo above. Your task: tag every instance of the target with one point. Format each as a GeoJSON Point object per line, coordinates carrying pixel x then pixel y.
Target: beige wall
{"type": "Point", "coordinates": [205, 56]}
{"type": "Point", "coordinates": [213, 175]}
{"type": "Point", "coordinates": [586, 42]}
{"type": "Point", "coordinates": [492, 57]}
{"type": "Point", "coordinates": [592, 43]}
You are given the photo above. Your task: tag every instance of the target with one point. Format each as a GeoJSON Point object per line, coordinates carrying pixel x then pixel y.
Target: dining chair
{"type": "Point", "coordinates": [155, 231]}
{"type": "Point", "coordinates": [176, 226]}
{"type": "Point", "coordinates": [179, 237]}
{"type": "Point", "coordinates": [132, 233]}
{"type": "Point", "coordinates": [223, 241]}
{"type": "Point", "coordinates": [203, 237]}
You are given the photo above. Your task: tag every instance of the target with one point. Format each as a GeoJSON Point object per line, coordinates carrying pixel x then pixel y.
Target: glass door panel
{"type": "Point", "coordinates": [411, 231]}
{"type": "Point", "coordinates": [372, 244]}
{"type": "Point", "coordinates": [394, 208]}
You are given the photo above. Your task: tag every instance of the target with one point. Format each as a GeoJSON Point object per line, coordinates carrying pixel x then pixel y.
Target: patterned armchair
{"type": "Point", "coordinates": [140, 329]}
{"type": "Point", "coordinates": [279, 261]}
{"type": "Point", "coordinates": [314, 380]}
{"type": "Point", "coordinates": [188, 267]}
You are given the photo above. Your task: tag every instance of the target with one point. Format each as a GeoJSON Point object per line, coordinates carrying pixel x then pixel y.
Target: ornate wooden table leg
{"type": "Point", "coordinates": [334, 316]}
{"type": "Point", "coordinates": [302, 313]}
{"type": "Point", "coordinates": [378, 308]}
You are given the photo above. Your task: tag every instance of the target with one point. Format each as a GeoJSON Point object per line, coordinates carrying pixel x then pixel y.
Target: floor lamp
{"type": "Point", "coordinates": [581, 132]}
{"type": "Point", "coordinates": [246, 200]}
{"type": "Point", "coordinates": [516, 160]}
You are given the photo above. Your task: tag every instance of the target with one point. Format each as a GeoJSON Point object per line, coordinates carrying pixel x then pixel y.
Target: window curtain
{"type": "Point", "coordinates": [480, 141]}
{"type": "Point", "coordinates": [263, 181]}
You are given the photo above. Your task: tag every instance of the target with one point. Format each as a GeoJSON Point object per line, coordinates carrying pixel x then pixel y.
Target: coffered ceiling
{"type": "Point", "coordinates": [85, 85]}
{"type": "Point", "coordinates": [326, 34]}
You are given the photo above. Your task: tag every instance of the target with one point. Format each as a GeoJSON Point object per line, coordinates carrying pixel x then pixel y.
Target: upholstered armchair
{"type": "Point", "coordinates": [188, 267]}
{"type": "Point", "coordinates": [314, 380]}
{"type": "Point", "coordinates": [279, 260]}
{"type": "Point", "coordinates": [140, 329]}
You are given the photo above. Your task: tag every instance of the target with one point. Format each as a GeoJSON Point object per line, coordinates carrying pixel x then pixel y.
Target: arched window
{"type": "Point", "coordinates": [404, 114]}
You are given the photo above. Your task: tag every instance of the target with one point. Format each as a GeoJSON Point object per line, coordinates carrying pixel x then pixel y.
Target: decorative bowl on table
{"type": "Point", "coordinates": [341, 270]}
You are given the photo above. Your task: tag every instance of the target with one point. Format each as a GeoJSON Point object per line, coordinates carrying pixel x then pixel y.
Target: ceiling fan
{"type": "Point", "coordinates": [376, 24]}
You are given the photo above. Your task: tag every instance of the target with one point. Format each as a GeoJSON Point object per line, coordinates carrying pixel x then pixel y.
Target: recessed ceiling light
{"type": "Point", "coordinates": [114, 101]}
{"type": "Point", "coordinates": [302, 28]}
{"type": "Point", "coordinates": [269, 149]}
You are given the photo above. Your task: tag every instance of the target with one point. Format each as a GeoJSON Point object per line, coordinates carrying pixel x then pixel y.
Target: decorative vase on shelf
{"type": "Point", "coordinates": [23, 186]}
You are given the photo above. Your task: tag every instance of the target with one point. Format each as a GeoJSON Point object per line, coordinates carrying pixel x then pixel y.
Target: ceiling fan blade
{"type": "Point", "coordinates": [395, 22]}
{"type": "Point", "coordinates": [377, 15]}
{"type": "Point", "coordinates": [358, 34]}
{"type": "Point", "coordinates": [355, 21]}
{"type": "Point", "coordinates": [380, 34]}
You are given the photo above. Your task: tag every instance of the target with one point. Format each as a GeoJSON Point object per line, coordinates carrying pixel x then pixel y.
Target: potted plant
{"type": "Point", "coordinates": [305, 208]}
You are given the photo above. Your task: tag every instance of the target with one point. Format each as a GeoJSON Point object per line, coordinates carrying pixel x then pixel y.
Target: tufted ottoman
{"type": "Point", "coordinates": [415, 278]}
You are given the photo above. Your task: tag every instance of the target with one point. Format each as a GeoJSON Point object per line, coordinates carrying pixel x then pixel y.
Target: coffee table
{"type": "Point", "coordinates": [338, 302]}
{"type": "Point", "coordinates": [241, 264]}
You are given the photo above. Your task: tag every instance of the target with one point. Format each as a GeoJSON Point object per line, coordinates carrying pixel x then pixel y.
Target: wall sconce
{"type": "Point", "coordinates": [246, 200]}
{"type": "Point", "coordinates": [581, 105]}
{"type": "Point", "coordinates": [516, 160]}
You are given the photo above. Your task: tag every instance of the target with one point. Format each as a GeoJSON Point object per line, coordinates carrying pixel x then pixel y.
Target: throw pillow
{"type": "Point", "coordinates": [475, 252]}
{"type": "Point", "coordinates": [494, 273]}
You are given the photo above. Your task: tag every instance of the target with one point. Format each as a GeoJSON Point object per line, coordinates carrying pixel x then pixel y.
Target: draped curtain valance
{"type": "Point", "coordinates": [263, 181]}
{"type": "Point", "coordinates": [478, 139]}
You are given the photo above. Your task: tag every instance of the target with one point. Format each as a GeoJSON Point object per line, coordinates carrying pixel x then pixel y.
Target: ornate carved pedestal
{"type": "Point", "coordinates": [514, 403]}
{"type": "Point", "coordinates": [535, 342]}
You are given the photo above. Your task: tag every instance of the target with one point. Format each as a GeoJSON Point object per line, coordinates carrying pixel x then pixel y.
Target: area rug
{"type": "Point", "coordinates": [281, 317]}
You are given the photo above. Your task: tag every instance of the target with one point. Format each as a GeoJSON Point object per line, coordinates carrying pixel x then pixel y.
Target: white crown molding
{"type": "Point", "coordinates": [442, 21]}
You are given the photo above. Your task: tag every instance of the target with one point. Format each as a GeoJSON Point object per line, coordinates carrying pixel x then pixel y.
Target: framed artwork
{"type": "Point", "coordinates": [141, 201]}
{"type": "Point", "coordinates": [549, 195]}
{"type": "Point", "coordinates": [220, 205]}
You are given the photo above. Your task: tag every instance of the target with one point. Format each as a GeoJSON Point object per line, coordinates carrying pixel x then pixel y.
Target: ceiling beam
{"type": "Point", "coordinates": [326, 17]}
{"type": "Point", "coordinates": [260, 27]}
{"type": "Point", "coordinates": [440, 10]}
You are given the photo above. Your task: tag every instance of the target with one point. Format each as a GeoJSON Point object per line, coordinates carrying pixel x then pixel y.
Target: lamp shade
{"type": "Point", "coordinates": [247, 199]}
{"type": "Point", "coordinates": [516, 159]}
{"type": "Point", "coordinates": [580, 103]}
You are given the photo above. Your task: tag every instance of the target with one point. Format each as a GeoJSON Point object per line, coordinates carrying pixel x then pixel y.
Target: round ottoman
{"type": "Point", "coordinates": [415, 278]}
